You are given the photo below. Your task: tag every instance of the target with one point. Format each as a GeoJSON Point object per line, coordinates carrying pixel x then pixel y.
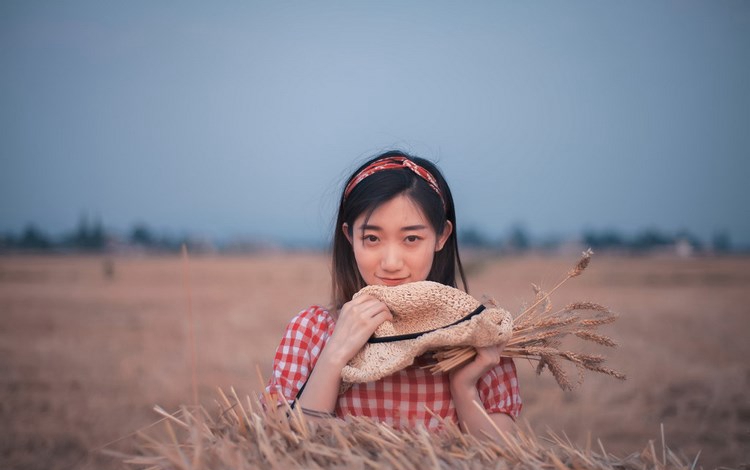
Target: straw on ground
{"type": "Point", "coordinates": [244, 435]}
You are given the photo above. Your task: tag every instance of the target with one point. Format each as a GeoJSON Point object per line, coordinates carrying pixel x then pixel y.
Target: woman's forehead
{"type": "Point", "coordinates": [401, 211]}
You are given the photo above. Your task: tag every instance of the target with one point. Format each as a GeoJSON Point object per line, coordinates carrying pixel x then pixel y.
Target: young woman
{"type": "Point", "coordinates": [396, 224]}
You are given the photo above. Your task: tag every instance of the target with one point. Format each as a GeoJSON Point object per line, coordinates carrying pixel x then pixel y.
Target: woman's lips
{"type": "Point", "coordinates": [392, 281]}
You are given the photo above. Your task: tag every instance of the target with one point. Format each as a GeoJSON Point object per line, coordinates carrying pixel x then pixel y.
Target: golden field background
{"type": "Point", "coordinates": [84, 357]}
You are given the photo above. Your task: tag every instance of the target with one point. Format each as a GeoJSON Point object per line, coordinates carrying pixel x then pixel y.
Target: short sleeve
{"type": "Point", "coordinates": [298, 352]}
{"type": "Point", "coordinates": [498, 389]}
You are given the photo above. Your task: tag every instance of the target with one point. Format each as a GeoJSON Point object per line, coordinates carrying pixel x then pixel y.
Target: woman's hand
{"type": "Point", "coordinates": [356, 322]}
{"type": "Point", "coordinates": [464, 379]}
{"type": "Point", "coordinates": [463, 383]}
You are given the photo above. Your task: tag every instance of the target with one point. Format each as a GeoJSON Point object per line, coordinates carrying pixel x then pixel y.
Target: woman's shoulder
{"type": "Point", "coordinates": [314, 316]}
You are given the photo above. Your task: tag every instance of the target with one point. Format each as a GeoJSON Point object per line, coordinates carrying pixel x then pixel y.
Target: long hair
{"type": "Point", "coordinates": [377, 189]}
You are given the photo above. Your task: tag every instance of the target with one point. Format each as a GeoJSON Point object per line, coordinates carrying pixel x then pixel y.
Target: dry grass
{"type": "Point", "coordinates": [243, 435]}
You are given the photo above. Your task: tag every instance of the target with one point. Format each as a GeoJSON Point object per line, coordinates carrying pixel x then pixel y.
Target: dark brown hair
{"type": "Point", "coordinates": [377, 189]}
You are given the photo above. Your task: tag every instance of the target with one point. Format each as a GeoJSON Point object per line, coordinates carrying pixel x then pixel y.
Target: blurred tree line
{"type": "Point", "coordinates": [518, 240]}
{"type": "Point", "coordinates": [90, 236]}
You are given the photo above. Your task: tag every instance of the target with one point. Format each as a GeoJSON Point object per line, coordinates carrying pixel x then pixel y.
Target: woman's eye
{"type": "Point", "coordinates": [412, 238]}
{"type": "Point", "coordinates": [370, 238]}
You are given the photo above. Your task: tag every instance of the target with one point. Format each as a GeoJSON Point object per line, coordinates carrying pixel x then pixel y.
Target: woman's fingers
{"type": "Point", "coordinates": [466, 376]}
{"type": "Point", "coordinates": [366, 307]}
{"type": "Point", "coordinates": [371, 317]}
{"type": "Point", "coordinates": [356, 323]}
{"type": "Point", "coordinates": [377, 308]}
{"type": "Point", "coordinates": [360, 317]}
{"type": "Point", "coordinates": [490, 355]}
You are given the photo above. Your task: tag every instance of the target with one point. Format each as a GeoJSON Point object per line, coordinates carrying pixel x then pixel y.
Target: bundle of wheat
{"type": "Point", "coordinates": [538, 333]}
{"type": "Point", "coordinates": [244, 435]}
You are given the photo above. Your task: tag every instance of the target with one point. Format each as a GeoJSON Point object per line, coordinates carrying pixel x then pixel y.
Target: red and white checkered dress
{"type": "Point", "coordinates": [401, 399]}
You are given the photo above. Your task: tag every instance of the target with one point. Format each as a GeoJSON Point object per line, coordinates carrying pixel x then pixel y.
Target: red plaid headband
{"type": "Point", "coordinates": [394, 163]}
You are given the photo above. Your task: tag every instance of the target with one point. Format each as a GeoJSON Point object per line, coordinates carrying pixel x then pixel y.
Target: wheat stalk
{"type": "Point", "coordinates": [187, 284]}
{"type": "Point", "coordinates": [538, 333]}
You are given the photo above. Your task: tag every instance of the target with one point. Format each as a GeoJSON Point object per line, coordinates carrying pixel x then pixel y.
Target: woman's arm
{"type": "Point", "coordinates": [463, 383]}
{"type": "Point", "coordinates": [475, 420]}
{"type": "Point", "coordinates": [356, 322]}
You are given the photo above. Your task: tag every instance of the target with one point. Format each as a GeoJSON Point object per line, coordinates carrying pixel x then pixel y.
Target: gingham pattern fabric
{"type": "Point", "coordinates": [401, 399]}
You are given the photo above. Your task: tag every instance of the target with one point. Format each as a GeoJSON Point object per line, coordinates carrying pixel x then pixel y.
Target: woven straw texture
{"type": "Point", "coordinates": [421, 306]}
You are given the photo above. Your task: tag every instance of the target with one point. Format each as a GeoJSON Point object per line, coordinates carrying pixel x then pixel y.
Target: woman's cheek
{"type": "Point", "coordinates": [426, 257]}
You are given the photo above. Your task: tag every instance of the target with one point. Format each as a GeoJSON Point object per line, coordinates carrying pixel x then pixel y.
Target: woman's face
{"type": "Point", "coordinates": [397, 245]}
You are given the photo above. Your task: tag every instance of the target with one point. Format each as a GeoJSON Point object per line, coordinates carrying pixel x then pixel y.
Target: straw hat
{"type": "Point", "coordinates": [426, 316]}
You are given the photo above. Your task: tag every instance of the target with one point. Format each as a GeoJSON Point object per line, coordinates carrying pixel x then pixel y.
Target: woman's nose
{"type": "Point", "coordinates": [392, 259]}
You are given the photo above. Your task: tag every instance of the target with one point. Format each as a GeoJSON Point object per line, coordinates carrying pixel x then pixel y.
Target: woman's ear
{"type": "Point", "coordinates": [443, 237]}
{"type": "Point", "coordinates": [347, 233]}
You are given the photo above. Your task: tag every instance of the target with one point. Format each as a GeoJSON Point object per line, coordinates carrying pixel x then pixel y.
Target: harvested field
{"type": "Point", "coordinates": [84, 357]}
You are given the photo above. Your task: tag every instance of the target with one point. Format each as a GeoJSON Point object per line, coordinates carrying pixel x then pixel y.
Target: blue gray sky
{"type": "Point", "coordinates": [243, 118]}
